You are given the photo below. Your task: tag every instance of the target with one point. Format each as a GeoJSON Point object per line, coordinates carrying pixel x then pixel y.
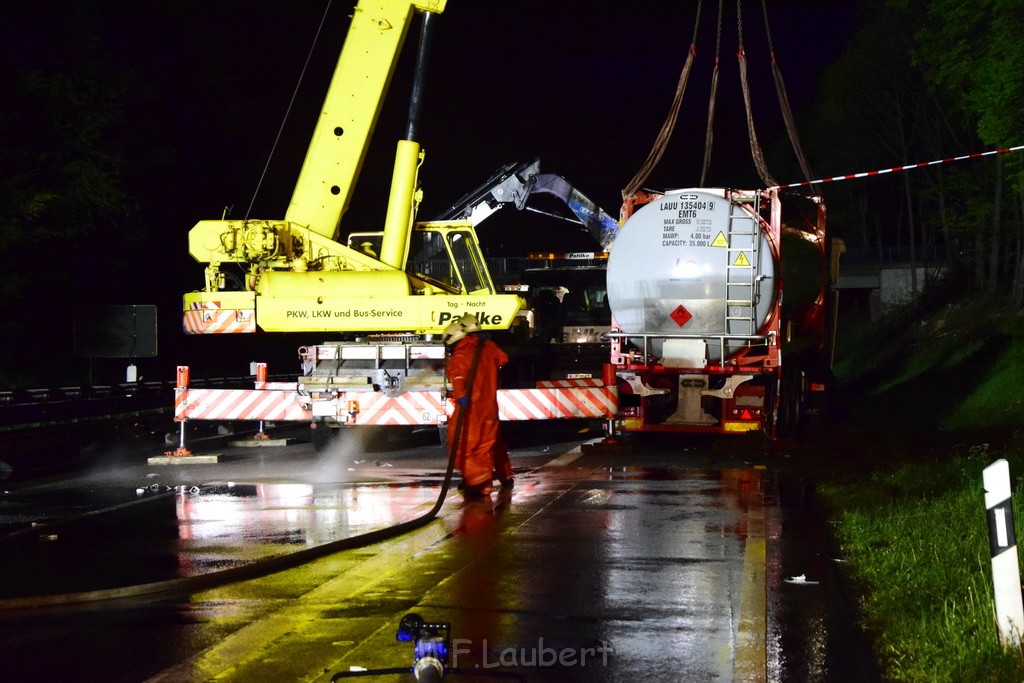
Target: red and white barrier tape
{"type": "Point", "coordinates": [894, 169]}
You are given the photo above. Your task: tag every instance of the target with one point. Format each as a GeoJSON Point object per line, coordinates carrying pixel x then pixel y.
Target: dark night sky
{"type": "Point", "coordinates": [584, 86]}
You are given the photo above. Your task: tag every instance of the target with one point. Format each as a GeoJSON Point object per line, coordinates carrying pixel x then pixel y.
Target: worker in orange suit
{"type": "Point", "coordinates": [472, 369]}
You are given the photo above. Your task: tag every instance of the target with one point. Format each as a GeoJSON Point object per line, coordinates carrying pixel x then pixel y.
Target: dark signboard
{"type": "Point", "coordinates": [115, 331]}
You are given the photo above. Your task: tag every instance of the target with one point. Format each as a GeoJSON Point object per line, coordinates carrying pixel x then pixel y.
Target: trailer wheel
{"type": "Point", "coordinates": [790, 415]}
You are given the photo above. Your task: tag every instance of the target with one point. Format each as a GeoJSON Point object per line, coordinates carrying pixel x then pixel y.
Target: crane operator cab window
{"type": "Point", "coordinates": [451, 257]}
{"type": "Point", "coordinates": [469, 262]}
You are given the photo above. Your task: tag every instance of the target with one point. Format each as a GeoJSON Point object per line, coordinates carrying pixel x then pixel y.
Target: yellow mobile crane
{"type": "Point", "coordinates": [387, 305]}
{"type": "Point", "coordinates": [299, 277]}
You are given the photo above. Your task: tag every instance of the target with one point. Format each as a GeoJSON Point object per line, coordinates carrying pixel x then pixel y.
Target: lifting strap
{"type": "Point", "coordinates": [787, 113]}
{"type": "Point", "coordinates": [661, 142]}
{"type": "Point", "coordinates": [755, 147]}
{"type": "Point", "coordinates": [709, 135]}
{"type": "Point", "coordinates": [757, 154]}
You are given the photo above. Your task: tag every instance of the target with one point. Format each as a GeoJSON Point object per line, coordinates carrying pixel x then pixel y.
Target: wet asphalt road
{"type": "Point", "coordinates": [676, 560]}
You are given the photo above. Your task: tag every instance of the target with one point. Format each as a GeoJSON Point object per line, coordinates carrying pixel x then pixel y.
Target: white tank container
{"type": "Point", "coordinates": [696, 264]}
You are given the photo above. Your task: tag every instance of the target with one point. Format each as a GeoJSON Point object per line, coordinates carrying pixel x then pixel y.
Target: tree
{"type": "Point", "coordinates": [872, 113]}
{"type": "Point", "coordinates": [899, 97]}
{"type": "Point", "coordinates": [64, 205]}
{"type": "Point", "coordinates": [984, 79]}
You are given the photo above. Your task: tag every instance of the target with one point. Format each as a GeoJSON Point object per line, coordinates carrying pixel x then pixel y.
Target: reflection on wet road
{"type": "Point", "coordinates": [102, 541]}
{"type": "Point", "coordinates": [256, 515]}
{"type": "Point", "coordinates": [595, 566]}
{"type": "Point", "coordinates": [652, 568]}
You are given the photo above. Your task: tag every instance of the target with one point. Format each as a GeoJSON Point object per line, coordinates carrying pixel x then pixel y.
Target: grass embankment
{"type": "Point", "coordinates": [949, 384]}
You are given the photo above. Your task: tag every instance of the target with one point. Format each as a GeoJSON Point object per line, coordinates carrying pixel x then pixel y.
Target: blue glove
{"type": "Point", "coordinates": [464, 401]}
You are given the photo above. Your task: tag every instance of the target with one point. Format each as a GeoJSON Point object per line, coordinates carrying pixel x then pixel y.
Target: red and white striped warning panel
{"type": "Point", "coordinates": [209, 318]}
{"type": "Point", "coordinates": [374, 408]}
{"type": "Point", "coordinates": [239, 404]}
{"type": "Point", "coordinates": [411, 408]}
{"type": "Point", "coordinates": [554, 404]}
{"type": "Point", "coordinates": [570, 383]}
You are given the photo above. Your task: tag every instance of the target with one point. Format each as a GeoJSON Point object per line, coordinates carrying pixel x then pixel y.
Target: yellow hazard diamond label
{"type": "Point", "coordinates": [720, 240]}
{"type": "Point", "coordinates": [742, 261]}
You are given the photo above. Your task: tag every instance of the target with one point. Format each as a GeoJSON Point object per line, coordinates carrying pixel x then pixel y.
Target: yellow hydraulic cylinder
{"type": "Point", "coordinates": [401, 205]}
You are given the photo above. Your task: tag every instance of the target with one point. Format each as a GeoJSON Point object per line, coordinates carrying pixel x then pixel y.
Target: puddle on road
{"type": "Point", "coordinates": [189, 531]}
{"type": "Point", "coordinates": [306, 514]}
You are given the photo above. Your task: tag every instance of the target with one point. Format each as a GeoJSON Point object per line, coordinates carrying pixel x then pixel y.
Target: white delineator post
{"type": "Point", "coordinates": [1003, 545]}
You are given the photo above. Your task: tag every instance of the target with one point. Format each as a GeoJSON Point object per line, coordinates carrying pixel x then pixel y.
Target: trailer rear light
{"type": "Point", "coordinates": [817, 386]}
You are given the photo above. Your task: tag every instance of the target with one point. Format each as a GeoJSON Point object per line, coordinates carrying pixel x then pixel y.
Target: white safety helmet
{"type": "Point", "coordinates": [457, 329]}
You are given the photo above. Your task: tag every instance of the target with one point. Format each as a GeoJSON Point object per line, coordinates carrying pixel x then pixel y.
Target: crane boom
{"type": "Point", "coordinates": [350, 111]}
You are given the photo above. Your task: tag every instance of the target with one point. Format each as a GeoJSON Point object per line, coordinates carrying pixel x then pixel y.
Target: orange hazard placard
{"type": "Point", "coordinates": [680, 315]}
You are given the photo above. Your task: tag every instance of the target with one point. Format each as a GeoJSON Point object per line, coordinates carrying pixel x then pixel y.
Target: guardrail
{"type": "Point", "coordinates": [25, 408]}
{"type": "Point", "coordinates": [37, 396]}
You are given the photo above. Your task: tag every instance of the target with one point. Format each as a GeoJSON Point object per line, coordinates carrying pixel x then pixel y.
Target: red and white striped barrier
{"type": "Point", "coordinates": [411, 408]}
{"type": "Point", "coordinates": [556, 404]}
{"type": "Point", "coordinates": [284, 402]}
{"type": "Point", "coordinates": [570, 383]}
{"type": "Point", "coordinates": [894, 169]}
{"type": "Point", "coordinates": [239, 404]}
{"type": "Point", "coordinates": [372, 408]}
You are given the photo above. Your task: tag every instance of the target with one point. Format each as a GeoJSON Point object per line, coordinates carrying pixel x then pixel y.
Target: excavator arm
{"type": "Point", "coordinates": [515, 183]}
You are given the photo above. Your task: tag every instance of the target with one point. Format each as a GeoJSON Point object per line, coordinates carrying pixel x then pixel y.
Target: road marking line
{"type": "Point", "coordinates": [251, 641]}
{"type": "Point", "coordinates": [569, 456]}
{"type": "Point", "coordinates": [751, 658]}
{"type": "Point", "coordinates": [565, 458]}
